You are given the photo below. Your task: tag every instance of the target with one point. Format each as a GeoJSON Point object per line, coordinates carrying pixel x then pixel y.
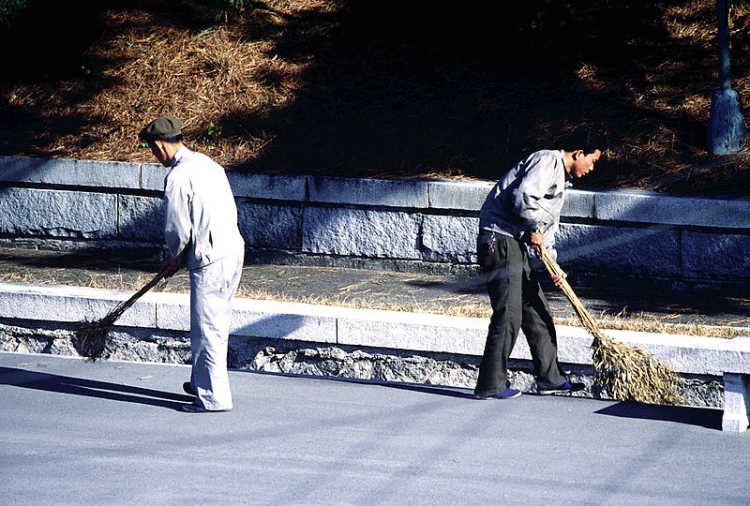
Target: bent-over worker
{"type": "Point", "coordinates": [524, 209]}
{"type": "Point", "coordinates": [201, 234]}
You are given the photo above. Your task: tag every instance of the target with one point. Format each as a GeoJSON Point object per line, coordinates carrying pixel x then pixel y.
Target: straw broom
{"type": "Point", "coordinates": [91, 337]}
{"type": "Point", "coordinates": [628, 373]}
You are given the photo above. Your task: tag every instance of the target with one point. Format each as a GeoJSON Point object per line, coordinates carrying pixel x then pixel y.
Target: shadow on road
{"type": "Point", "coordinates": [101, 389]}
{"type": "Point", "coordinates": [702, 417]}
{"type": "Point", "coordinates": [446, 391]}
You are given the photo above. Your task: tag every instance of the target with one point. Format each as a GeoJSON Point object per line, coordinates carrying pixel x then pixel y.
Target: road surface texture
{"type": "Point", "coordinates": [77, 432]}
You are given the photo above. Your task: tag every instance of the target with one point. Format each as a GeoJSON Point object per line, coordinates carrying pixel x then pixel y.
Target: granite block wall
{"type": "Point", "coordinates": [78, 203]}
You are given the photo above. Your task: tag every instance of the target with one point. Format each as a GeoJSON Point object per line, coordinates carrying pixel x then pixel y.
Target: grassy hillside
{"type": "Point", "coordinates": [381, 89]}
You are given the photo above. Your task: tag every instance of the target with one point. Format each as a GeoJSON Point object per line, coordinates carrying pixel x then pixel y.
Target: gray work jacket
{"type": "Point", "coordinates": [200, 213]}
{"type": "Point", "coordinates": [529, 198]}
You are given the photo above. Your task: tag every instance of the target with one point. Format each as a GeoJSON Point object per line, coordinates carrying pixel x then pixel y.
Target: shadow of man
{"type": "Point", "coordinates": [91, 388]}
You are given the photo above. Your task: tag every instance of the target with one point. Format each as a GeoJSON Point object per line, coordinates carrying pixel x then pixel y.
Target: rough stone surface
{"type": "Point", "coordinates": [359, 232]}
{"type": "Point", "coordinates": [449, 239]}
{"type": "Point", "coordinates": [579, 204]}
{"type": "Point", "coordinates": [666, 247]}
{"type": "Point", "coordinates": [648, 207]}
{"type": "Point", "coordinates": [270, 226]}
{"type": "Point", "coordinates": [361, 327]}
{"type": "Point", "coordinates": [140, 218]}
{"type": "Point", "coordinates": [60, 303]}
{"type": "Point", "coordinates": [152, 176]}
{"type": "Point", "coordinates": [429, 333]}
{"type": "Point", "coordinates": [371, 192]}
{"type": "Point", "coordinates": [647, 251]}
{"type": "Point", "coordinates": [267, 187]}
{"type": "Point", "coordinates": [468, 196]}
{"type": "Point", "coordinates": [736, 392]}
{"type": "Point", "coordinates": [318, 359]}
{"type": "Point", "coordinates": [60, 171]}
{"type": "Point", "coordinates": [284, 325]}
{"type": "Point", "coordinates": [712, 255]}
{"type": "Point", "coordinates": [50, 213]}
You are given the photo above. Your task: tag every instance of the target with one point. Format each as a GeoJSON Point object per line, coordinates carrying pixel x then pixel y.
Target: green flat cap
{"type": "Point", "coordinates": [163, 128]}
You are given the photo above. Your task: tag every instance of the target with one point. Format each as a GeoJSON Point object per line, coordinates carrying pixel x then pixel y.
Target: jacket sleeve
{"type": "Point", "coordinates": [528, 198]}
{"type": "Point", "coordinates": [178, 230]}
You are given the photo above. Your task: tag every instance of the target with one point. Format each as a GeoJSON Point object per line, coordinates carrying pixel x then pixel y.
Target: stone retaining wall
{"type": "Point", "coordinates": [405, 224]}
{"type": "Point", "coordinates": [369, 345]}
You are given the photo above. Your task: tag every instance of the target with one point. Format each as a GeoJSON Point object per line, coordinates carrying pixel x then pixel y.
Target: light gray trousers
{"type": "Point", "coordinates": [211, 290]}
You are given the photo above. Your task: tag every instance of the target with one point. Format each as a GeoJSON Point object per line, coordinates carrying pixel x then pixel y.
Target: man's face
{"type": "Point", "coordinates": [160, 153]}
{"type": "Point", "coordinates": [583, 164]}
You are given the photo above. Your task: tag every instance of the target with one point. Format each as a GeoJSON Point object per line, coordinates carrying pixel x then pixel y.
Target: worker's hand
{"type": "Point", "coordinates": [536, 240]}
{"type": "Point", "coordinates": [558, 280]}
{"type": "Point", "coordinates": [170, 266]}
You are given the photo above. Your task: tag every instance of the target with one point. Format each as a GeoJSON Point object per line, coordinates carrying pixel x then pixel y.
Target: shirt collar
{"type": "Point", "coordinates": [568, 177]}
{"type": "Point", "coordinates": [179, 155]}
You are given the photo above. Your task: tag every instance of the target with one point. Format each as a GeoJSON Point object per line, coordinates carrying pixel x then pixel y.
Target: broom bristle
{"type": "Point", "coordinates": [90, 339]}
{"type": "Point", "coordinates": [628, 373]}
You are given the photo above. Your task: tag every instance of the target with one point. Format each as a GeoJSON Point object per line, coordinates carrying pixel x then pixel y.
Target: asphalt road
{"type": "Point", "coordinates": [76, 432]}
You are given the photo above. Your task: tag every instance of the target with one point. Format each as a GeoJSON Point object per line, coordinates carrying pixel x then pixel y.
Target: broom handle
{"type": "Point", "coordinates": [554, 270]}
{"type": "Point", "coordinates": [148, 286]}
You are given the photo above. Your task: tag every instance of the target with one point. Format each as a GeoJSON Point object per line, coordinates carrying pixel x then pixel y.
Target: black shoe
{"type": "Point", "coordinates": [189, 389]}
{"type": "Point", "coordinates": [508, 393]}
{"type": "Point", "coordinates": [566, 388]}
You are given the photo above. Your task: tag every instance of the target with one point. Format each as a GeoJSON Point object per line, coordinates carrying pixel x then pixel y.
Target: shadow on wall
{"type": "Point", "coordinates": [280, 326]}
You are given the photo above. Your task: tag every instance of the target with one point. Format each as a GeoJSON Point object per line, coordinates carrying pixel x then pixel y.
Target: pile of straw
{"type": "Point", "coordinates": [628, 373]}
{"type": "Point", "coordinates": [90, 338]}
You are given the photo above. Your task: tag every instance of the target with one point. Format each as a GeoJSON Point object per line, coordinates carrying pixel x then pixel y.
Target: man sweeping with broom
{"type": "Point", "coordinates": [524, 209]}
{"type": "Point", "coordinates": [201, 234]}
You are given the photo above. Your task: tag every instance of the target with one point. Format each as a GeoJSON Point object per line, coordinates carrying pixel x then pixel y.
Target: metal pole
{"type": "Point", "coordinates": [726, 124]}
{"type": "Point", "coordinates": [722, 12]}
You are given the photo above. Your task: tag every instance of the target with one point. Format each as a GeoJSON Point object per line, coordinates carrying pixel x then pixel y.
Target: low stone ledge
{"type": "Point", "coordinates": [359, 327]}
{"type": "Point", "coordinates": [356, 362]}
{"type": "Point", "coordinates": [70, 172]}
{"type": "Point", "coordinates": [56, 213]}
{"type": "Point", "coordinates": [269, 187]}
{"type": "Point", "coordinates": [151, 176]}
{"type": "Point", "coordinates": [71, 304]}
{"type": "Point", "coordinates": [361, 232]}
{"type": "Point", "coordinates": [468, 196]}
{"type": "Point", "coordinates": [647, 207]}
{"type": "Point", "coordinates": [369, 192]}
{"type": "Point", "coordinates": [424, 225]}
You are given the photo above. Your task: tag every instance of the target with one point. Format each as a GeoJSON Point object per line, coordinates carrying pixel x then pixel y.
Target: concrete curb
{"type": "Point", "coordinates": [359, 327]}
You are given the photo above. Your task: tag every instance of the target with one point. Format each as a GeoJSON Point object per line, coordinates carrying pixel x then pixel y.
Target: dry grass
{"type": "Point", "coordinates": [312, 87]}
{"type": "Point", "coordinates": [179, 284]}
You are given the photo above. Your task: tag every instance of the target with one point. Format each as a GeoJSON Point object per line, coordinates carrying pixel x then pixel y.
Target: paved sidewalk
{"type": "Point", "coordinates": [76, 432]}
{"type": "Point", "coordinates": [371, 288]}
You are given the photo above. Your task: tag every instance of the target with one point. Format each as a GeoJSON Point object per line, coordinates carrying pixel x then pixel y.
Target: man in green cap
{"type": "Point", "coordinates": [201, 234]}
